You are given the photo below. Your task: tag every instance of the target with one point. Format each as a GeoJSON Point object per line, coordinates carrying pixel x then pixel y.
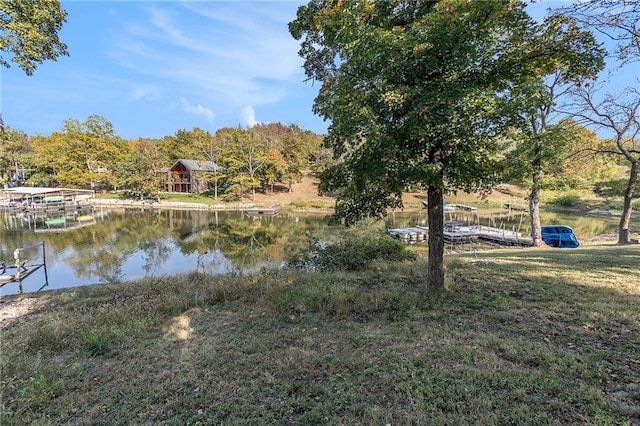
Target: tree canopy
{"type": "Point", "coordinates": [417, 93]}
{"type": "Point", "coordinates": [29, 32]}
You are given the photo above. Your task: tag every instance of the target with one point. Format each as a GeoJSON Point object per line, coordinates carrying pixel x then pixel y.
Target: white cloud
{"type": "Point", "coordinates": [235, 56]}
{"type": "Point", "coordinates": [248, 116]}
{"type": "Point", "coordinates": [197, 110]}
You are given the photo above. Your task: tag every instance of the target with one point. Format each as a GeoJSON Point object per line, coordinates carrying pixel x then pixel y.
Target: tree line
{"type": "Point", "coordinates": [91, 155]}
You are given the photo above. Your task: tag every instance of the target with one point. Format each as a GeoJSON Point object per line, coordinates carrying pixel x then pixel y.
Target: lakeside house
{"type": "Point", "coordinates": [190, 176]}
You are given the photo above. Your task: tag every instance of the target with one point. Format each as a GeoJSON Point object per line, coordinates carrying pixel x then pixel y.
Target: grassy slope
{"type": "Point", "coordinates": [521, 337]}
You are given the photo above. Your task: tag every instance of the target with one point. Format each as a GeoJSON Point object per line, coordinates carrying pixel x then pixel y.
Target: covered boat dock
{"type": "Point", "coordinates": [43, 199]}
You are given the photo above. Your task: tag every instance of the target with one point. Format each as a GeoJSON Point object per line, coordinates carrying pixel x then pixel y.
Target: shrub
{"type": "Point", "coordinates": [568, 199]}
{"type": "Point", "coordinates": [352, 254]}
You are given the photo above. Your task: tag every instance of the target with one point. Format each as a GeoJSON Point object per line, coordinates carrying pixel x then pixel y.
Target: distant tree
{"type": "Point", "coordinates": [296, 149]}
{"type": "Point", "coordinates": [29, 32]}
{"type": "Point", "coordinates": [14, 150]}
{"type": "Point", "coordinates": [415, 93]}
{"type": "Point", "coordinates": [243, 159]}
{"type": "Point", "coordinates": [578, 165]}
{"type": "Point", "coordinates": [140, 172]}
{"type": "Point", "coordinates": [213, 148]}
{"type": "Point", "coordinates": [83, 154]}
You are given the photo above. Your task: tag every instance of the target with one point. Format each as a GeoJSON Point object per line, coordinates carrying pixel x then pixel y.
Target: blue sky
{"type": "Point", "coordinates": [154, 67]}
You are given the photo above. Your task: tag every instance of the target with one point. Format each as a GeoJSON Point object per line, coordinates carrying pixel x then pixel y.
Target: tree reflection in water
{"type": "Point", "coordinates": [130, 244]}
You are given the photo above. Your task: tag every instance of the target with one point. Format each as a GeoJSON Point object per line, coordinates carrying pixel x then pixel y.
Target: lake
{"type": "Point", "coordinates": [115, 245]}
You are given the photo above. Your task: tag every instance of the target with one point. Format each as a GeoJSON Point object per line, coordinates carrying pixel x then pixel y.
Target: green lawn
{"type": "Point", "coordinates": [520, 337]}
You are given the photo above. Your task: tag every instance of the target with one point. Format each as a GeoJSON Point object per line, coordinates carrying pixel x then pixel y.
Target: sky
{"type": "Point", "coordinates": [152, 68]}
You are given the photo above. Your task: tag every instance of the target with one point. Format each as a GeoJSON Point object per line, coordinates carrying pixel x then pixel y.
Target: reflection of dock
{"type": "Point", "coordinates": [40, 221]}
{"type": "Point", "coordinates": [455, 233]}
{"type": "Point", "coordinates": [515, 204]}
{"type": "Point", "coordinates": [452, 208]}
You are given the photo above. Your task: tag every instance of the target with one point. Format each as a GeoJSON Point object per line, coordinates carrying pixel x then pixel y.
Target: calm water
{"type": "Point", "coordinates": [117, 245]}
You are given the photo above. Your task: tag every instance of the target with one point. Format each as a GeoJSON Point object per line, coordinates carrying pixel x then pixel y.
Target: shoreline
{"type": "Point", "coordinates": [180, 205]}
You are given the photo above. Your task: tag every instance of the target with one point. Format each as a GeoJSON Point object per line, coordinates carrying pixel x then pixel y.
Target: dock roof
{"type": "Point", "coordinates": [40, 190]}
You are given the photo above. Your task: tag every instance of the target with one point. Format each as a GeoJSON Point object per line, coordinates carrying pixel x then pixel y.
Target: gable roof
{"type": "Point", "coordinates": [199, 165]}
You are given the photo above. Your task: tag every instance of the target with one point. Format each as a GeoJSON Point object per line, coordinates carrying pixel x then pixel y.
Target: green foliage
{"type": "Point", "coordinates": [98, 342]}
{"type": "Point", "coordinates": [29, 32]}
{"type": "Point", "coordinates": [14, 156]}
{"type": "Point", "coordinates": [567, 199]}
{"type": "Point", "coordinates": [84, 154]}
{"type": "Point", "coordinates": [613, 188]}
{"type": "Point", "coordinates": [139, 171]}
{"type": "Point", "coordinates": [354, 253]}
{"type": "Point", "coordinates": [421, 87]}
{"type": "Point", "coordinates": [419, 93]}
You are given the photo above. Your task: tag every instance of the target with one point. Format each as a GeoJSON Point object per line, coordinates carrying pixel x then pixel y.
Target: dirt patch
{"type": "Point", "coordinates": [13, 309]}
{"type": "Point", "coordinates": [305, 192]}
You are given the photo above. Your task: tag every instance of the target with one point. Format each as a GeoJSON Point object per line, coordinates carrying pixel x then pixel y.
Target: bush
{"type": "Point", "coordinates": [568, 199]}
{"type": "Point", "coordinates": [352, 254]}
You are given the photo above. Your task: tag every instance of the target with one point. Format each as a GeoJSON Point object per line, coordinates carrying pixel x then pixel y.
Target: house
{"type": "Point", "coordinates": [191, 176]}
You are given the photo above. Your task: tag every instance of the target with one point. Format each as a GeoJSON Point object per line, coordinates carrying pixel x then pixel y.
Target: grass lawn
{"type": "Point", "coordinates": [521, 337]}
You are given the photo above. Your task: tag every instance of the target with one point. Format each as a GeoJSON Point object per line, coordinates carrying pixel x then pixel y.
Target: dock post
{"type": "Point", "coordinates": [44, 262]}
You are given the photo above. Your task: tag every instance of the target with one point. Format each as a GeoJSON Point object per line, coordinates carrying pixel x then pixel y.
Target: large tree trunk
{"type": "Point", "coordinates": [625, 219]}
{"type": "Point", "coordinates": [435, 275]}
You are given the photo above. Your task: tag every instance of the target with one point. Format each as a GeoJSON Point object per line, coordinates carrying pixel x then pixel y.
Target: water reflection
{"type": "Point", "coordinates": [128, 244]}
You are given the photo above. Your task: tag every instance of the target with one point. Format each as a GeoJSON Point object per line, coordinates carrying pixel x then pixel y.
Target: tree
{"type": "Point", "coordinates": [141, 171]}
{"type": "Point", "coordinates": [14, 148]}
{"type": "Point", "coordinates": [618, 115]}
{"type": "Point", "coordinates": [415, 93]}
{"type": "Point", "coordinates": [29, 32]}
{"type": "Point", "coordinates": [539, 143]}
{"type": "Point", "coordinates": [83, 154]}
{"type": "Point", "coordinates": [296, 148]}
{"type": "Point", "coordinates": [243, 158]}
{"type": "Point", "coordinates": [213, 148]}
{"type": "Point", "coordinates": [619, 20]}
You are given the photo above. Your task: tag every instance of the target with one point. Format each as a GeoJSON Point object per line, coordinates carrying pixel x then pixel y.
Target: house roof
{"type": "Point", "coordinates": [199, 165]}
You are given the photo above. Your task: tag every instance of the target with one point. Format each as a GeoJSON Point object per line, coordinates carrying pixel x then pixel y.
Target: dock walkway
{"type": "Point", "coordinates": [455, 233]}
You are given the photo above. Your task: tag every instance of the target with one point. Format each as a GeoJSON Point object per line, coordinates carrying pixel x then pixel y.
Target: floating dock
{"type": "Point", "coordinates": [262, 211]}
{"type": "Point", "coordinates": [464, 207]}
{"type": "Point", "coordinates": [455, 233]}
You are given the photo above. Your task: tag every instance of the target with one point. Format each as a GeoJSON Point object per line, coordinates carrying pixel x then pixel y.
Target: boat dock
{"type": "Point", "coordinates": [262, 211]}
{"type": "Point", "coordinates": [463, 207]}
{"type": "Point", "coordinates": [455, 233]}
{"type": "Point", "coordinates": [45, 200]}
{"type": "Point", "coordinates": [23, 268]}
